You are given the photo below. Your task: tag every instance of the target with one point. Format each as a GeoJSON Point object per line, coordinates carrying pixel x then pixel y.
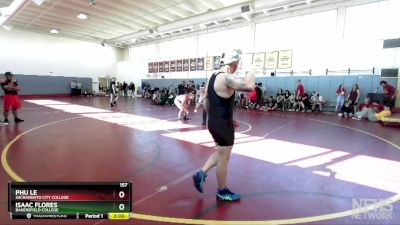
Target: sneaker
{"type": "Point", "coordinates": [115, 102]}
{"type": "Point", "coordinates": [195, 111]}
{"type": "Point", "coordinates": [356, 118]}
{"type": "Point", "coordinates": [112, 105]}
{"type": "Point", "coordinates": [226, 195]}
{"type": "Point", "coordinates": [199, 180]}
{"type": "Point", "coordinates": [6, 122]}
{"type": "Point", "coordinates": [340, 114]}
{"type": "Point", "coordinates": [17, 120]}
{"type": "Point", "coordinates": [186, 118]}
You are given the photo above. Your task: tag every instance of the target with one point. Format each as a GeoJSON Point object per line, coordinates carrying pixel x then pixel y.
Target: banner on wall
{"type": "Point", "coordinates": [185, 65]}
{"type": "Point", "coordinates": [200, 64]}
{"type": "Point", "coordinates": [150, 67]}
{"type": "Point", "coordinates": [247, 61]}
{"type": "Point", "coordinates": [155, 67]}
{"type": "Point", "coordinates": [271, 61]}
{"type": "Point", "coordinates": [259, 60]}
{"type": "Point", "coordinates": [216, 62]}
{"type": "Point", "coordinates": [160, 67]}
{"type": "Point", "coordinates": [192, 64]}
{"type": "Point", "coordinates": [210, 63]}
{"type": "Point", "coordinates": [172, 66]}
{"type": "Point", "coordinates": [179, 65]}
{"type": "Point", "coordinates": [285, 59]}
{"type": "Point", "coordinates": [166, 66]}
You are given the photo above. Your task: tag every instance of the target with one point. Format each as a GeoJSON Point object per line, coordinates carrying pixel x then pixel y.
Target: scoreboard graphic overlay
{"type": "Point", "coordinates": [70, 200]}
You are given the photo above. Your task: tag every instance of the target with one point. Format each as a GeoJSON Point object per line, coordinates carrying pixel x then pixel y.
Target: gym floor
{"type": "Point", "coordinates": [290, 167]}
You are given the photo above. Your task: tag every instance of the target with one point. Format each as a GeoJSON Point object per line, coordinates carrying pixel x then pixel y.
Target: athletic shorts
{"type": "Point", "coordinates": [178, 103]}
{"type": "Point", "coordinates": [222, 133]}
{"type": "Point", "coordinates": [11, 102]}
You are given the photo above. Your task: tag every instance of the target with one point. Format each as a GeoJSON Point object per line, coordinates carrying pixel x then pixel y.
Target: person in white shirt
{"type": "Point", "coordinates": [318, 100]}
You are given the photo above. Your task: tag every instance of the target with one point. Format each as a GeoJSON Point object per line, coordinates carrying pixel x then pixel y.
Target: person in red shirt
{"type": "Point", "coordinates": [300, 94]}
{"type": "Point", "coordinates": [390, 94]}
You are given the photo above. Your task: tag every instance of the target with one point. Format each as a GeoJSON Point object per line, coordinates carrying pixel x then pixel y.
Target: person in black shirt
{"type": "Point", "coordinates": [219, 101]}
{"type": "Point", "coordinates": [113, 93]}
{"type": "Point", "coordinates": [11, 99]}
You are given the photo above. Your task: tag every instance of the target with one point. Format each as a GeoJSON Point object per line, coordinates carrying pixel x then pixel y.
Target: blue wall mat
{"type": "Point", "coordinates": [324, 88]}
{"type": "Point", "coordinates": [365, 84]}
{"type": "Point", "coordinates": [312, 84]}
{"type": "Point", "coordinates": [32, 84]}
{"type": "Point", "coordinates": [325, 85]}
{"type": "Point", "coordinates": [279, 84]}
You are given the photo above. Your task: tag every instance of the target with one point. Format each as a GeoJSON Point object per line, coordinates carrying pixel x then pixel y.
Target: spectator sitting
{"type": "Point", "coordinates": [279, 99]}
{"type": "Point", "coordinates": [171, 98]}
{"type": "Point", "coordinates": [318, 100]}
{"type": "Point", "coordinates": [293, 102]}
{"type": "Point", "coordinates": [304, 103]}
{"type": "Point", "coordinates": [271, 104]}
{"type": "Point", "coordinates": [87, 93]}
{"type": "Point", "coordinates": [162, 98]}
{"type": "Point", "coordinates": [347, 109]}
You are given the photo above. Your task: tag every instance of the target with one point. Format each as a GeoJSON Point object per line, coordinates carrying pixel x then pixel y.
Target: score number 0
{"type": "Point", "coordinates": [121, 195]}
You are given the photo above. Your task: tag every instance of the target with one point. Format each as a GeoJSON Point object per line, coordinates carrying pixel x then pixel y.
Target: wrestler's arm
{"type": "Point", "coordinates": [246, 84]}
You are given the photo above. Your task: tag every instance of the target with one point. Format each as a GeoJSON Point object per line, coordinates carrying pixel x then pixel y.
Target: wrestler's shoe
{"type": "Point", "coordinates": [199, 180]}
{"type": "Point", "coordinates": [227, 195]}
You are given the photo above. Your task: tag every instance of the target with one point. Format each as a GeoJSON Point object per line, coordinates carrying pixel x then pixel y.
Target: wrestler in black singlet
{"type": "Point", "coordinates": [220, 117]}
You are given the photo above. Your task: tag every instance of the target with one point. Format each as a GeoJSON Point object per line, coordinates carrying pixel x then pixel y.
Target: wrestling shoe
{"type": "Point", "coordinates": [199, 180]}
{"type": "Point", "coordinates": [17, 120]}
{"type": "Point", "coordinates": [6, 122]}
{"type": "Point", "coordinates": [226, 195]}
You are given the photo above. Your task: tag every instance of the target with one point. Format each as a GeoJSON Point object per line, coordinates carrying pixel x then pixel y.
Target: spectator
{"type": "Point", "coordinates": [354, 96]}
{"type": "Point", "coordinates": [271, 104]}
{"type": "Point", "coordinates": [181, 88]}
{"type": "Point", "coordinates": [131, 89]}
{"type": "Point", "coordinates": [304, 103]}
{"type": "Point", "coordinates": [390, 94]}
{"type": "Point", "coordinates": [347, 109]}
{"type": "Point", "coordinates": [279, 99]}
{"type": "Point", "coordinates": [318, 101]}
{"type": "Point", "coordinates": [300, 94]}
{"type": "Point", "coordinates": [125, 89]}
{"type": "Point", "coordinates": [340, 93]}
{"type": "Point", "coordinates": [87, 93]}
{"type": "Point", "coordinates": [286, 101]}
{"type": "Point", "coordinates": [259, 93]}
{"type": "Point", "coordinates": [294, 103]}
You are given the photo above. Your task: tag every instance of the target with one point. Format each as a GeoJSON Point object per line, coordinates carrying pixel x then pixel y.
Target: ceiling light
{"type": "Point", "coordinates": [308, 2]}
{"type": "Point", "coordinates": [7, 27]}
{"type": "Point", "coordinates": [82, 16]}
{"type": "Point", "coordinates": [54, 31]}
{"type": "Point", "coordinates": [285, 7]}
{"type": "Point", "coordinates": [38, 2]}
{"type": "Point", "coordinates": [133, 40]}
